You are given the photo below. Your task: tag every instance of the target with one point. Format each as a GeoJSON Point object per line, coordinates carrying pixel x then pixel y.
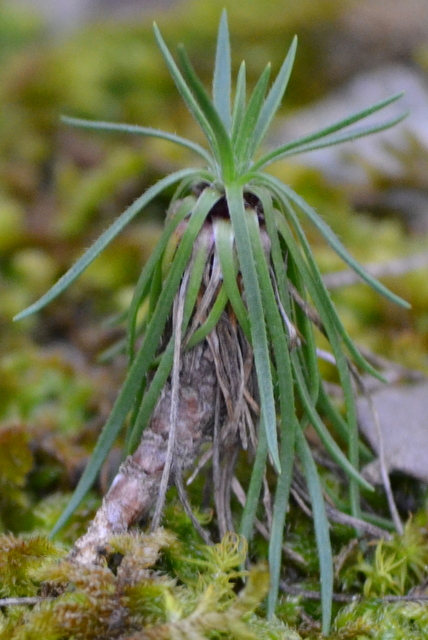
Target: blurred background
{"type": "Point", "coordinates": [60, 187]}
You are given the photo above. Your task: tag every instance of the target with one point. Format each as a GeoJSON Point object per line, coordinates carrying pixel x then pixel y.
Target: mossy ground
{"type": "Point", "coordinates": [58, 189]}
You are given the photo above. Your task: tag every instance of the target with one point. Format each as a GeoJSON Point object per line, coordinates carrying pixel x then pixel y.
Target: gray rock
{"type": "Point", "coordinates": [403, 417]}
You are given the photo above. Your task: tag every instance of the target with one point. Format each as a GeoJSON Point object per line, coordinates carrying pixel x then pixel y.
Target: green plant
{"type": "Point", "coordinates": [394, 566]}
{"type": "Point", "coordinates": [234, 254]}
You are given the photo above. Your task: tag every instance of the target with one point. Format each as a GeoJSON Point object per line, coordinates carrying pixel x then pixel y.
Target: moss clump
{"type": "Point", "coordinates": [131, 599]}
{"type": "Point", "coordinates": [389, 567]}
{"type": "Point", "coordinates": [18, 560]}
{"type": "Point", "coordinates": [377, 621]}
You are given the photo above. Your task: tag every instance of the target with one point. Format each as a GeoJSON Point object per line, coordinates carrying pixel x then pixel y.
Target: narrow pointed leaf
{"type": "Point", "coordinates": [221, 138]}
{"type": "Point", "coordinates": [197, 268]}
{"type": "Point", "coordinates": [273, 155]}
{"type": "Point", "coordinates": [287, 405]}
{"type": "Point", "coordinates": [222, 73]}
{"type": "Point", "coordinates": [333, 326]}
{"type": "Point", "coordinates": [317, 290]}
{"type": "Point", "coordinates": [245, 137]}
{"type": "Point", "coordinates": [333, 240]}
{"type": "Point", "coordinates": [326, 438]}
{"type": "Point", "coordinates": [322, 533]}
{"type": "Point", "coordinates": [136, 129]}
{"type": "Point", "coordinates": [308, 351]}
{"type": "Point", "coordinates": [239, 102]}
{"type": "Point", "coordinates": [103, 241]}
{"type": "Point", "coordinates": [339, 424]}
{"type": "Point", "coordinates": [338, 247]}
{"type": "Point", "coordinates": [235, 200]}
{"type": "Point", "coordinates": [347, 136]}
{"type": "Point", "coordinates": [280, 509]}
{"type": "Point", "coordinates": [274, 97]}
{"type": "Point", "coordinates": [212, 319]}
{"type": "Point", "coordinates": [143, 282]}
{"type": "Point", "coordinates": [186, 93]}
{"type": "Point", "coordinates": [256, 481]}
{"type": "Point", "coordinates": [224, 241]}
{"type": "Point", "coordinates": [165, 365]}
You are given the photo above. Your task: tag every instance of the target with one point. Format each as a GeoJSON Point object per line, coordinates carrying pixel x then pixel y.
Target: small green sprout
{"type": "Point", "coordinates": [231, 218]}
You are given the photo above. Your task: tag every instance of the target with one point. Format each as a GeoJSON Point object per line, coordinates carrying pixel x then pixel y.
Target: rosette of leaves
{"type": "Point", "coordinates": [235, 230]}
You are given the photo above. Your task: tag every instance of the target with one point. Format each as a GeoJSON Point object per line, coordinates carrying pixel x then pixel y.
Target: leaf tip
{"type": "Point", "coordinates": [22, 314]}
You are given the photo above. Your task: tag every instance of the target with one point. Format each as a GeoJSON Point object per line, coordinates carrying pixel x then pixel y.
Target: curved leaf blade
{"type": "Point", "coordinates": [321, 526]}
{"type": "Point", "coordinates": [239, 103]}
{"type": "Point", "coordinates": [221, 141]}
{"type": "Point", "coordinates": [224, 241]}
{"type": "Point", "coordinates": [118, 127]}
{"type": "Point", "coordinates": [144, 279]}
{"type": "Point", "coordinates": [244, 142]}
{"type": "Point", "coordinates": [222, 80]}
{"type": "Point", "coordinates": [333, 240]}
{"type": "Point", "coordinates": [274, 97]}
{"type": "Point", "coordinates": [103, 241]}
{"type": "Point", "coordinates": [235, 200]}
{"type": "Point", "coordinates": [186, 93]}
{"type": "Point", "coordinates": [275, 154]}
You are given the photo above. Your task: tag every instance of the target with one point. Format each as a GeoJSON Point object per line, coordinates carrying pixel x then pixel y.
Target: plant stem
{"type": "Point", "coordinates": [136, 485]}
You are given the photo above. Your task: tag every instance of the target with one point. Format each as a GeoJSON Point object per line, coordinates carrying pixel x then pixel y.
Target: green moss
{"type": "Point", "coordinates": [18, 559]}
{"type": "Point", "coordinates": [377, 621]}
{"type": "Point", "coordinates": [145, 591]}
{"type": "Point", "coordinates": [392, 566]}
{"type": "Point", "coordinates": [137, 601]}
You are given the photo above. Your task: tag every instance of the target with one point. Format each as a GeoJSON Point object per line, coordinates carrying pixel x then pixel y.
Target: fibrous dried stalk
{"type": "Point", "coordinates": [136, 485]}
{"type": "Point", "coordinates": [215, 380]}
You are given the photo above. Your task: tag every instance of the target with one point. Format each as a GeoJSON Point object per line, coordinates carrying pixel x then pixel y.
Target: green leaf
{"type": "Point", "coordinates": [287, 406]}
{"type": "Point", "coordinates": [222, 73]}
{"type": "Point", "coordinates": [308, 350]}
{"type": "Point", "coordinates": [221, 140]}
{"type": "Point", "coordinates": [313, 282]}
{"type": "Point", "coordinates": [278, 259]}
{"type": "Point", "coordinates": [333, 326]}
{"type": "Point", "coordinates": [239, 103]}
{"type": "Point", "coordinates": [197, 268]}
{"type": "Point", "coordinates": [256, 481]}
{"type": "Point", "coordinates": [143, 283]}
{"type": "Point", "coordinates": [348, 136]}
{"type": "Point", "coordinates": [326, 438]}
{"type": "Point", "coordinates": [104, 240]}
{"type": "Point", "coordinates": [150, 398]}
{"type": "Point", "coordinates": [166, 361]}
{"type": "Point", "coordinates": [274, 97]}
{"type": "Point", "coordinates": [244, 142]}
{"type": "Point", "coordinates": [187, 94]}
{"type": "Point", "coordinates": [135, 129]}
{"type": "Point", "coordinates": [212, 319]}
{"type": "Point", "coordinates": [280, 509]}
{"type": "Point", "coordinates": [224, 242]}
{"type": "Point", "coordinates": [338, 423]}
{"type": "Point", "coordinates": [235, 201]}
{"type": "Point", "coordinates": [321, 526]}
{"type": "Point", "coordinates": [317, 290]}
{"type": "Point", "coordinates": [282, 151]}
{"type": "Point", "coordinates": [334, 241]}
